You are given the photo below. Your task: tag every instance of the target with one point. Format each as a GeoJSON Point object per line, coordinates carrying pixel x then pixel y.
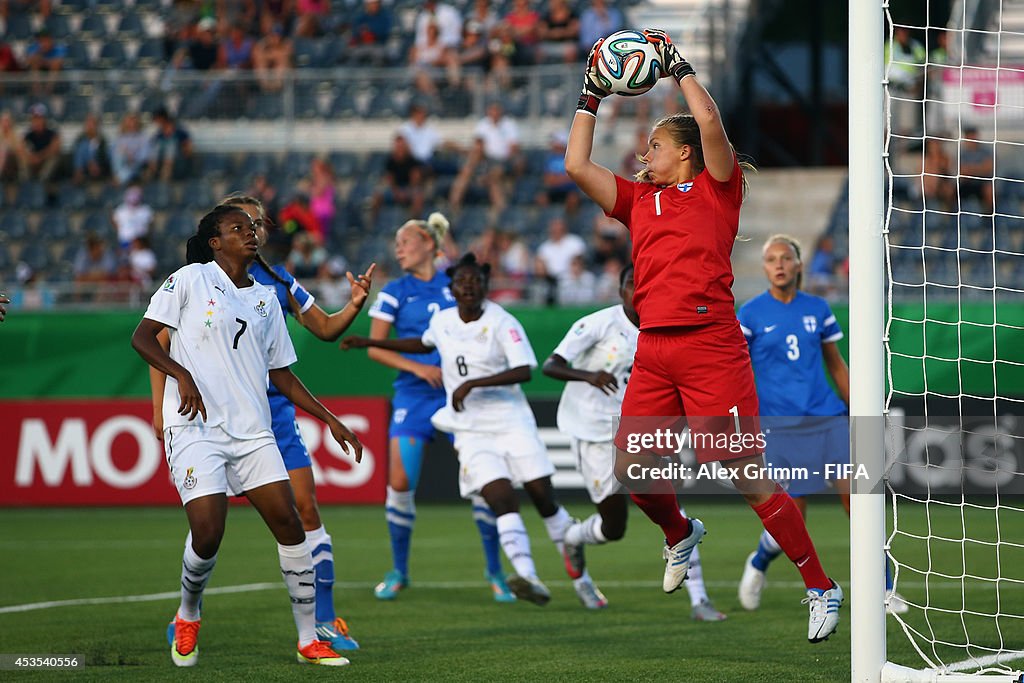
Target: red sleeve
{"type": "Point", "coordinates": [623, 201]}
{"type": "Point", "coordinates": [732, 189]}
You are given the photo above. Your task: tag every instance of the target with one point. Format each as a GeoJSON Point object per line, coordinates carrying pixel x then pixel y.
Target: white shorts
{"type": "Point", "coordinates": [596, 462]}
{"type": "Point", "coordinates": [484, 457]}
{"type": "Point", "coordinates": [206, 460]}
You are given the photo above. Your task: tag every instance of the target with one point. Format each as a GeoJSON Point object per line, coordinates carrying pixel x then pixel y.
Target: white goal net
{"type": "Point", "coordinates": [953, 240]}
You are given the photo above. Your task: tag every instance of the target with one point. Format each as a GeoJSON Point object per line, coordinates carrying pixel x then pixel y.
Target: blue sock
{"type": "Point", "coordinates": [767, 550]}
{"type": "Point", "coordinates": [323, 563]}
{"type": "Point", "coordinates": [488, 526]}
{"type": "Point", "coordinates": [888, 573]}
{"type": "Point", "coordinates": [400, 511]}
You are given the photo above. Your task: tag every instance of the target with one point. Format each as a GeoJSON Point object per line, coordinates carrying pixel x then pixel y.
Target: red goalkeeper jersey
{"type": "Point", "coordinates": [682, 241]}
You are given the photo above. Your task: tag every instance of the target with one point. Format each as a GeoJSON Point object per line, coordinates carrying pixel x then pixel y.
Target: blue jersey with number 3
{"type": "Point", "coordinates": [409, 303]}
{"type": "Point", "coordinates": [785, 350]}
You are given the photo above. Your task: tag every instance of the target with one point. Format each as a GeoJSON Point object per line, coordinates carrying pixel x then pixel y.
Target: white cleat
{"type": "Point", "coordinates": [589, 594]}
{"type": "Point", "coordinates": [529, 588]}
{"type": "Point", "coordinates": [895, 603]}
{"type": "Point", "coordinates": [751, 585]}
{"type": "Point", "coordinates": [677, 558]}
{"type": "Point", "coordinates": [824, 612]}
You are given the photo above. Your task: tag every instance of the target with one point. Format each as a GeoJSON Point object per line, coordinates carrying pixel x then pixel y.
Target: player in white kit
{"type": "Point", "coordinates": [227, 337]}
{"type": "Point", "coordinates": [485, 356]}
{"type": "Point", "coordinates": [595, 359]}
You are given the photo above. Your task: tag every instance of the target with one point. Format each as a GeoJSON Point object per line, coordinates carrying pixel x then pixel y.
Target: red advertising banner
{"type": "Point", "coordinates": [104, 452]}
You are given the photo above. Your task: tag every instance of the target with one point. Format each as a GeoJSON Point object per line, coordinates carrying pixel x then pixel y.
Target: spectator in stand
{"type": "Point", "coordinates": [559, 33]}
{"type": "Point", "coordinates": [306, 257]}
{"type": "Point", "coordinates": [905, 59]}
{"type": "Point", "coordinates": [495, 153]}
{"type": "Point", "coordinates": [606, 289]}
{"type": "Point", "coordinates": [514, 258]}
{"type": "Point", "coordinates": [596, 22]}
{"type": "Point", "coordinates": [404, 182]}
{"type": "Point", "coordinates": [89, 155]}
{"type": "Point", "coordinates": [321, 197]}
{"type": "Point", "coordinates": [44, 58]}
{"type": "Point", "coordinates": [277, 13]}
{"type": "Point", "coordinates": [610, 242]}
{"type": "Point", "coordinates": [170, 150]}
{"type": "Point", "coordinates": [555, 254]}
{"type": "Point", "coordinates": [94, 265]}
{"type": "Point", "coordinates": [11, 149]}
{"type": "Point", "coordinates": [132, 218]}
{"type": "Point", "coordinates": [141, 261]}
{"type": "Point", "coordinates": [297, 217]}
{"type": "Point", "coordinates": [234, 53]}
{"type": "Point", "coordinates": [525, 24]}
{"type": "Point", "coordinates": [200, 51]}
{"type": "Point", "coordinates": [821, 273]}
{"type": "Point", "coordinates": [483, 14]}
{"type": "Point", "coordinates": [311, 17]}
{"type": "Point", "coordinates": [370, 32]}
{"type": "Point", "coordinates": [445, 17]}
{"type": "Point", "coordinates": [432, 58]}
{"type": "Point", "coordinates": [130, 151]}
{"type": "Point", "coordinates": [262, 189]}
{"type": "Point", "coordinates": [473, 57]}
{"type": "Point", "coordinates": [937, 181]}
{"type": "Point", "coordinates": [41, 148]}
{"type": "Point", "coordinates": [977, 165]}
{"type": "Point", "coordinates": [558, 186]}
{"type": "Point", "coordinates": [272, 59]}
{"type": "Point", "coordinates": [577, 286]}
{"type": "Point", "coordinates": [8, 60]}
{"type": "Point", "coordinates": [505, 54]}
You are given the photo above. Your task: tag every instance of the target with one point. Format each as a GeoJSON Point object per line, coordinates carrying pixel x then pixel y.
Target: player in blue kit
{"type": "Point", "coordinates": [790, 333]}
{"type": "Point", "coordinates": [407, 305]}
{"type": "Point", "coordinates": [294, 299]}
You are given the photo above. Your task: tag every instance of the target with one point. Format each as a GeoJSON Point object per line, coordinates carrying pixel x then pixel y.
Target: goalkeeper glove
{"type": "Point", "coordinates": [593, 90]}
{"type": "Point", "coordinates": [672, 62]}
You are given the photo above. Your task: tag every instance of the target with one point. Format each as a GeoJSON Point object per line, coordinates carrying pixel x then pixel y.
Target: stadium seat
{"type": "Point", "coordinates": [304, 52]}
{"type": "Point", "coordinates": [31, 195]}
{"type": "Point", "coordinates": [98, 222]}
{"type": "Point", "coordinates": [112, 55]}
{"type": "Point", "coordinates": [19, 26]}
{"type": "Point", "coordinates": [36, 255]}
{"type": "Point", "coordinates": [72, 197]}
{"type": "Point", "coordinates": [130, 25]}
{"type": "Point", "coordinates": [14, 225]}
{"type": "Point", "coordinates": [54, 225]}
{"type": "Point", "coordinates": [78, 55]}
{"type": "Point", "coordinates": [58, 26]}
{"type": "Point", "coordinates": [180, 225]}
{"type": "Point", "coordinates": [150, 53]}
{"type": "Point", "coordinates": [6, 262]}
{"type": "Point", "coordinates": [93, 26]}
{"type": "Point", "coordinates": [157, 195]}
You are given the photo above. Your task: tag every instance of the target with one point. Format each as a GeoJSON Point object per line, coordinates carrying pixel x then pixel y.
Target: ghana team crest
{"type": "Point", "coordinates": [261, 308]}
{"type": "Point", "coordinates": [189, 481]}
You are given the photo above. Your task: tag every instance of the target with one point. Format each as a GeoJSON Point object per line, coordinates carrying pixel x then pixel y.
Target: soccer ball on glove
{"type": "Point", "coordinates": [628, 63]}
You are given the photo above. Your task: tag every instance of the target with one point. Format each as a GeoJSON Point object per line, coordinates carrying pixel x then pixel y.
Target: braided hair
{"type": "Point", "coordinates": [468, 260]}
{"type": "Point", "coordinates": [198, 249]}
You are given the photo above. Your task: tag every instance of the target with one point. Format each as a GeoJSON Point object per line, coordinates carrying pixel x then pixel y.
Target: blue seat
{"type": "Point", "coordinates": [112, 55]}
{"type": "Point", "coordinates": [157, 195]}
{"type": "Point", "coordinates": [54, 225]}
{"type": "Point", "coordinates": [19, 26]}
{"type": "Point", "coordinates": [93, 26]}
{"type": "Point", "coordinates": [150, 53]}
{"type": "Point", "coordinates": [58, 25]}
{"type": "Point", "coordinates": [98, 222]}
{"type": "Point", "coordinates": [31, 195]}
{"type": "Point", "coordinates": [181, 225]}
{"type": "Point", "coordinates": [14, 225]}
{"type": "Point", "coordinates": [36, 255]}
{"type": "Point", "coordinates": [130, 25]}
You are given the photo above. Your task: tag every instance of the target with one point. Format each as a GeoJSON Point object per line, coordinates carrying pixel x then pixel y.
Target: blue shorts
{"type": "Point", "coordinates": [811, 447]}
{"type": "Point", "coordinates": [411, 413]}
{"type": "Point", "coordinates": [289, 440]}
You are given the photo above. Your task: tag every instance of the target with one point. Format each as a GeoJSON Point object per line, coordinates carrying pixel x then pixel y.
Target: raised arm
{"type": "Point", "coordinates": [296, 392]}
{"type": "Point", "coordinates": [596, 181]}
{"type": "Point", "coordinates": [330, 326]}
{"type": "Point", "coordinates": [719, 156]}
{"type": "Point", "coordinates": [406, 345]}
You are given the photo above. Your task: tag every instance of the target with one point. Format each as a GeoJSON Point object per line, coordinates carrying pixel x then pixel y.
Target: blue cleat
{"type": "Point", "coordinates": [336, 633]}
{"type": "Point", "coordinates": [501, 591]}
{"type": "Point", "coordinates": [392, 584]}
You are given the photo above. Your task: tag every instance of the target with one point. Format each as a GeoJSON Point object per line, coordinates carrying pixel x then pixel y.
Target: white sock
{"type": "Point", "coordinates": [770, 544]}
{"type": "Point", "coordinates": [695, 576]}
{"type": "Point", "coordinates": [516, 544]}
{"type": "Point", "coordinates": [557, 524]}
{"type": "Point", "coordinates": [297, 570]}
{"type": "Point", "coordinates": [586, 532]}
{"type": "Point", "coordinates": [195, 573]}
{"type": "Point", "coordinates": [584, 578]}
{"type": "Point", "coordinates": [403, 502]}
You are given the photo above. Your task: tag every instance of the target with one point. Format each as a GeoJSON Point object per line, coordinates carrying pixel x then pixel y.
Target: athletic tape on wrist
{"type": "Point", "coordinates": [588, 104]}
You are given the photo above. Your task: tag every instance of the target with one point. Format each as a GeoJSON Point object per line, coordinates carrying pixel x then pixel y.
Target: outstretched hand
{"type": "Point", "coordinates": [354, 342]}
{"type": "Point", "coordinates": [672, 61]}
{"type": "Point", "coordinates": [360, 286]}
{"type": "Point", "coordinates": [594, 87]}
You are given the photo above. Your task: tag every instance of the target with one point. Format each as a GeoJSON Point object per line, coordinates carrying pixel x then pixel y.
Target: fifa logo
{"type": "Point", "coordinates": [810, 323]}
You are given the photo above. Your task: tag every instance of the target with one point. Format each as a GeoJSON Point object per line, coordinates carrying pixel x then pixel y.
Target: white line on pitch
{"type": "Point", "coordinates": [980, 662]}
{"type": "Point", "coordinates": [361, 585]}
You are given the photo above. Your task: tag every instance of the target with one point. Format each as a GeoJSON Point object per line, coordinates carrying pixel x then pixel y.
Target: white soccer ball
{"type": "Point", "coordinates": [628, 64]}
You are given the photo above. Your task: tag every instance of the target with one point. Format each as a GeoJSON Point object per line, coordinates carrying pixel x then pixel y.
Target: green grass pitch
{"type": "Point", "coordinates": [445, 626]}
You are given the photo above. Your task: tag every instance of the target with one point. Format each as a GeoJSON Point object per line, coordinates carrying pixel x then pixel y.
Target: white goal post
{"type": "Point", "coordinates": [882, 516]}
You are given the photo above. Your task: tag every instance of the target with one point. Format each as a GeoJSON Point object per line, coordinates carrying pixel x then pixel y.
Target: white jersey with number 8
{"type": "Point", "coordinates": [492, 344]}
{"type": "Point", "coordinates": [228, 338]}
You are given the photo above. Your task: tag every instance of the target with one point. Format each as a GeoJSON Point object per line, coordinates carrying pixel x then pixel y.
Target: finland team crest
{"type": "Point", "coordinates": [684, 187]}
{"type": "Point", "coordinates": [810, 323]}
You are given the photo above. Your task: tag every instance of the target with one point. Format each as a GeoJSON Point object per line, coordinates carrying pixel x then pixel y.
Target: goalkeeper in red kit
{"type": "Point", "coordinates": [683, 211]}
